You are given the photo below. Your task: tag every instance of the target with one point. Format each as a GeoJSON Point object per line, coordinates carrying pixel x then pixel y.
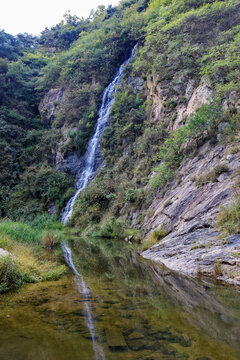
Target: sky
{"type": "Point", "coordinates": [32, 16]}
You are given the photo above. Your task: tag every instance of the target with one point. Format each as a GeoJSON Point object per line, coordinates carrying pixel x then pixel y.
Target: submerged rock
{"type": "Point", "coordinates": [135, 335]}
{"type": "Point", "coordinates": [115, 339]}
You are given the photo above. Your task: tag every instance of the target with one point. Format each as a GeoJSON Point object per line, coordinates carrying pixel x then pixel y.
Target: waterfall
{"type": "Point", "coordinates": [89, 167]}
{"type": "Point", "coordinates": [90, 157]}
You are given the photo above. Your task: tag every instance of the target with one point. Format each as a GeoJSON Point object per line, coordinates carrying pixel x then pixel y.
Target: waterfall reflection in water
{"type": "Point", "coordinates": [84, 291]}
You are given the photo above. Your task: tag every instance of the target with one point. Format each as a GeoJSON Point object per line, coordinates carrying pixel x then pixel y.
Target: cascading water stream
{"type": "Point", "coordinates": [89, 167]}
{"type": "Point", "coordinates": [90, 157]}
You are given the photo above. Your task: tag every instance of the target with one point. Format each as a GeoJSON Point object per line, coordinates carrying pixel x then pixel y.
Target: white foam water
{"type": "Point", "coordinates": [90, 157]}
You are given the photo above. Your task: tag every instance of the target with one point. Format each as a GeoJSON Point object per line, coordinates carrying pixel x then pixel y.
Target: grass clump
{"type": "Point", "coordinates": [228, 219]}
{"type": "Point", "coordinates": [154, 237]}
{"type": "Point", "coordinates": [198, 246]}
{"type": "Point", "coordinates": [46, 221]}
{"type": "Point", "coordinates": [234, 149]}
{"type": "Point", "coordinates": [20, 232]}
{"type": "Point", "coordinates": [212, 175]}
{"type": "Point", "coordinates": [217, 269]}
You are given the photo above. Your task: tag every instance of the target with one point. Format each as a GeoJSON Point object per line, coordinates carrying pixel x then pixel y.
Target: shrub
{"type": "Point", "coordinates": [45, 184]}
{"type": "Point", "coordinates": [130, 195]}
{"type": "Point", "coordinates": [164, 174]}
{"type": "Point", "coordinates": [111, 229]}
{"type": "Point", "coordinates": [93, 201]}
{"type": "Point", "coordinates": [10, 276]}
{"type": "Point", "coordinates": [136, 196]}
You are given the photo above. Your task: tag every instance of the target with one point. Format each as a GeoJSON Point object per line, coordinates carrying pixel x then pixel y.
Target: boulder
{"type": "Point", "coordinates": [4, 253]}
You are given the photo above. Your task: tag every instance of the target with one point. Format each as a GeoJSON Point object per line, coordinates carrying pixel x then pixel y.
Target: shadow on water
{"type": "Point", "coordinates": [139, 309]}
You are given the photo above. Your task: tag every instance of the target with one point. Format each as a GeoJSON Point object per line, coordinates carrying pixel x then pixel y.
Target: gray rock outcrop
{"type": "Point", "coordinates": [49, 104]}
{"type": "Point", "coordinates": [188, 210]}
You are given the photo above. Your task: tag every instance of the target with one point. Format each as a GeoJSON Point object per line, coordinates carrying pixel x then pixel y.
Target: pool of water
{"type": "Point", "coordinates": [139, 310]}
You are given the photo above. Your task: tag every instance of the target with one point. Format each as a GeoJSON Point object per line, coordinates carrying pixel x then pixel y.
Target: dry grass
{"type": "Point", "coordinates": [49, 240]}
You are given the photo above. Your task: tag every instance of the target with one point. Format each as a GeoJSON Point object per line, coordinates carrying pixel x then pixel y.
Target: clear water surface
{"type": "Point", "coordinates": [139, 311]}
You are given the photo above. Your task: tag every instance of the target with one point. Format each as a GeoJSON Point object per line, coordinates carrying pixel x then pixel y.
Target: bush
{"type": "Point", "coordinates": [45, 184]}
{"type": "Point", "coordinates": [10, 276]}
{"type": "Point", "coordinates": [163, 174]}
{"type": "Point", "coordinates": [111, 229]}
{"type": "Point", "coordinates": [93, 201]}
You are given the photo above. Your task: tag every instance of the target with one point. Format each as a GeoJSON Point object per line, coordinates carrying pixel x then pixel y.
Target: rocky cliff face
{"type": "Point", "coordinates": [49, 108]}
{"type": "Point", "coordinates": [194, 94]}
{"type": "Point", "coordinates": [189, 199]}
{"type": "Point", "coordinates": [49, 104]}
{"type": "Point", "coordinates": [187, 210]}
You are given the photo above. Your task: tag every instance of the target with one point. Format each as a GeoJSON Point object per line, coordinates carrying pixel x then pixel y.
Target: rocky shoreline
{"type": "Point", "coordinates": [199, 251]}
